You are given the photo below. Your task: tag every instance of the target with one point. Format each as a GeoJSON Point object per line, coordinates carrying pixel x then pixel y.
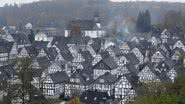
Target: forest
{"type": "Point", "coordinates": [56, 13]}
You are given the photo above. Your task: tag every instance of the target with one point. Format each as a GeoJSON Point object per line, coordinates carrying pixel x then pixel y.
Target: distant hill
{"type": "Point", "coordinates": [56, 13]}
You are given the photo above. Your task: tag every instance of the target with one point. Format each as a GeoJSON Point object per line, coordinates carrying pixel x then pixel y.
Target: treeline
{"type": "Point", "coordinates": [56, 13]}
{"type": "Point", "coordinates": [172, 20]}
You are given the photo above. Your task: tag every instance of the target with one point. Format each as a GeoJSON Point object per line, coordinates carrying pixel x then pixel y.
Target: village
{"type": "Point", "coordinates": [81, 62]}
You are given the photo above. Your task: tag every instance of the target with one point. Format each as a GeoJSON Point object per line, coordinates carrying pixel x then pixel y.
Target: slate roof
{"type": "Point", "coordinates": [179, 50]}
{"type": "Point", "coordinates": [85, 79]}
{"type": "Point", "coordinates": [94, 97]}
{"type": "Point", "coordinates": [40, 44]}
{"type": "Point", "coordinates": [51, 53]}
{"type": "Point", "coordinates": [5, 47]}
{"type": "Point", "coordinates": [107, 63]}
{"type": "Point", "coordinates": [32, 51]}
{"type": "Point", "coordinates": [166, 46]}
{"type": "Point", "coordinates": [108, 79]}
{"type": "Point", "coordinates": [145, 44]}
{"type": "Point", "coordinates": [104, 54]}
{"type": "Point", "coordinates": [67, 55]}
{"type": "Point", "coordinates": [78, 40]}
{"type": "Point", "coordinates": [97, 44]}
{"type": "Point", "coordinates": [88, 59]}
{"type": "Point", "coordinates": [59, 77]}
{"type": "Point", "coordinates": [132, 58]}
{"type": "Point", "coordinates": [110, 62]}
{"type": "Point", "coordinates": [132, 69]}
{"type": "Point", "coordinates": [20, 38]}
{"type": "Point", "coordinates": [43, 62]}
{"type": "Point", "coordinates": [37, 72]}
{"type": "Point", "coordinates": [133, 79]}
{"type": "Point", "coordinates": [164, 77]}
{"type": "Point", "coordinates": [7, 72]}
{"type": "Point", "coordinates": [132, 44]}
{"type": "Point", "coordinates": [117, 51]}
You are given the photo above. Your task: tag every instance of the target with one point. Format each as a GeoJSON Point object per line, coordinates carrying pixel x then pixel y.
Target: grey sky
{"type": "Point", "coordinates": [2, 2]}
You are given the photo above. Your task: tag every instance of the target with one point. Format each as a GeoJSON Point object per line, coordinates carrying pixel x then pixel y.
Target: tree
{"type": "Point", "coordinates": [173, 21]}
{"type": "Point", "coordinates": [25, 74]}
{"type": "Point", "coordinates": [181, 97]}
{"type": "Point", "coordinates": [144, 22]}
{"type": "Point", "coordinates": [75, 100]}
{"type": "Point", "coordinates": [138, 24]}
{"type": "Point", "coordinates": [31, 36]}
{"type": "Point", "coordinates": [147, 21]}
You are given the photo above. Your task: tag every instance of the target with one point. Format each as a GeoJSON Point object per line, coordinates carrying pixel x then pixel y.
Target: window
{"type": "Point", "coordinates": [102, 81]}
{"type": "Point", "coordinates": [101, 65]}
{"type": "Point", "coordinates": [77, 80]}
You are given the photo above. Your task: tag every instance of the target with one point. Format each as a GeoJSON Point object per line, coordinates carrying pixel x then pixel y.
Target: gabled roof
{"type": "Point", "coordinates": [132, 44]}
{"type": "Point", "coordinates": [104, 54]}
{"type": "Point", "coordinates": [166, 46]}
{"type": "Point", "coordinates": [67, 55]}
{"type": "Point", "coordinates": [97, 44]}
{"type": "Point", "coordinates": [5, 47]}
{"type": "Point", "coordinates": [132, 69]}
{"type": "Point", "coordinates": [32, 51]}
{"type": "Point", "coordinates": [37, 72]}
{"type": "Point", "coordinates": [85, 79]}
{"type": "Point", "coordinates": [145, 44]}
{"type": "Point", "coordinates": [43, 62]}
{"type": "Point", "coordinates": [51, 53]}
{"type": "Point", "coordinates": [20, 38]}
{"type": "Point", "coordinates": [133, 79]}
{"type": "Point", "coordinates": [117, 51]}
{"type": "Point", "coordinates": [59, 39]}
{"type": "Point", "coordinates": [164, 77]}
{"type": "Point", "coordinates": [59, 77]}
{"type": "Point", "coordinates": [110, 62]}
{"type": "Point", "coordinates": [88, 59]}
{"type": "Point", "coordinates": [107, 63]}
{"type": "Point", "coordinates": [107, 79]}
{"type": "Point", "coordinates": [7, 72]}
{"type": "Point", "coordinates": [179, 50]}
{"type": "Point", "coordinates": [132, 58]}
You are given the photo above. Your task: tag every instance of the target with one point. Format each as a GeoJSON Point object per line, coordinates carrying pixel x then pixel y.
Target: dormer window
{"type": "Point", "coordinates": [87, 79]}
{"type": "Point", "coordinates": [72, 80]}
{"type": "Point", "coordinates": [101, 65]}
{"type": "Point", "coordinates": [163, 65]}
{"type": "Point", "coordinates": [104, 98]}
{"type": "Point", "coordinates": [85, 98]}
{"type": "Point", "coordinates": [95, 98]}
{"type": "Point", "coordinates": [158, 53]}
{"type": "Point", "coordinates": [77, 80]}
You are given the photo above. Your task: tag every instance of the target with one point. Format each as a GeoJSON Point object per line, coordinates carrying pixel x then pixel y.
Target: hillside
{"type": "Point", "coordinates": [56, 13]}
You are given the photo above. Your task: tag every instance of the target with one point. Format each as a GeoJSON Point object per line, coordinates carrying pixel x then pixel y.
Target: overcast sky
{"type": "Point", "coordinates": [2, 2]}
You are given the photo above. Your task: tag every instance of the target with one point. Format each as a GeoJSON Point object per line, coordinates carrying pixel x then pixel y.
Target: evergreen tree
{"type": "Point", "coordinates": [147, 21]}
{"type": "Point", "coordinates": [144, 22]}
{"type": "Point", "coordinates": [31, 36]}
